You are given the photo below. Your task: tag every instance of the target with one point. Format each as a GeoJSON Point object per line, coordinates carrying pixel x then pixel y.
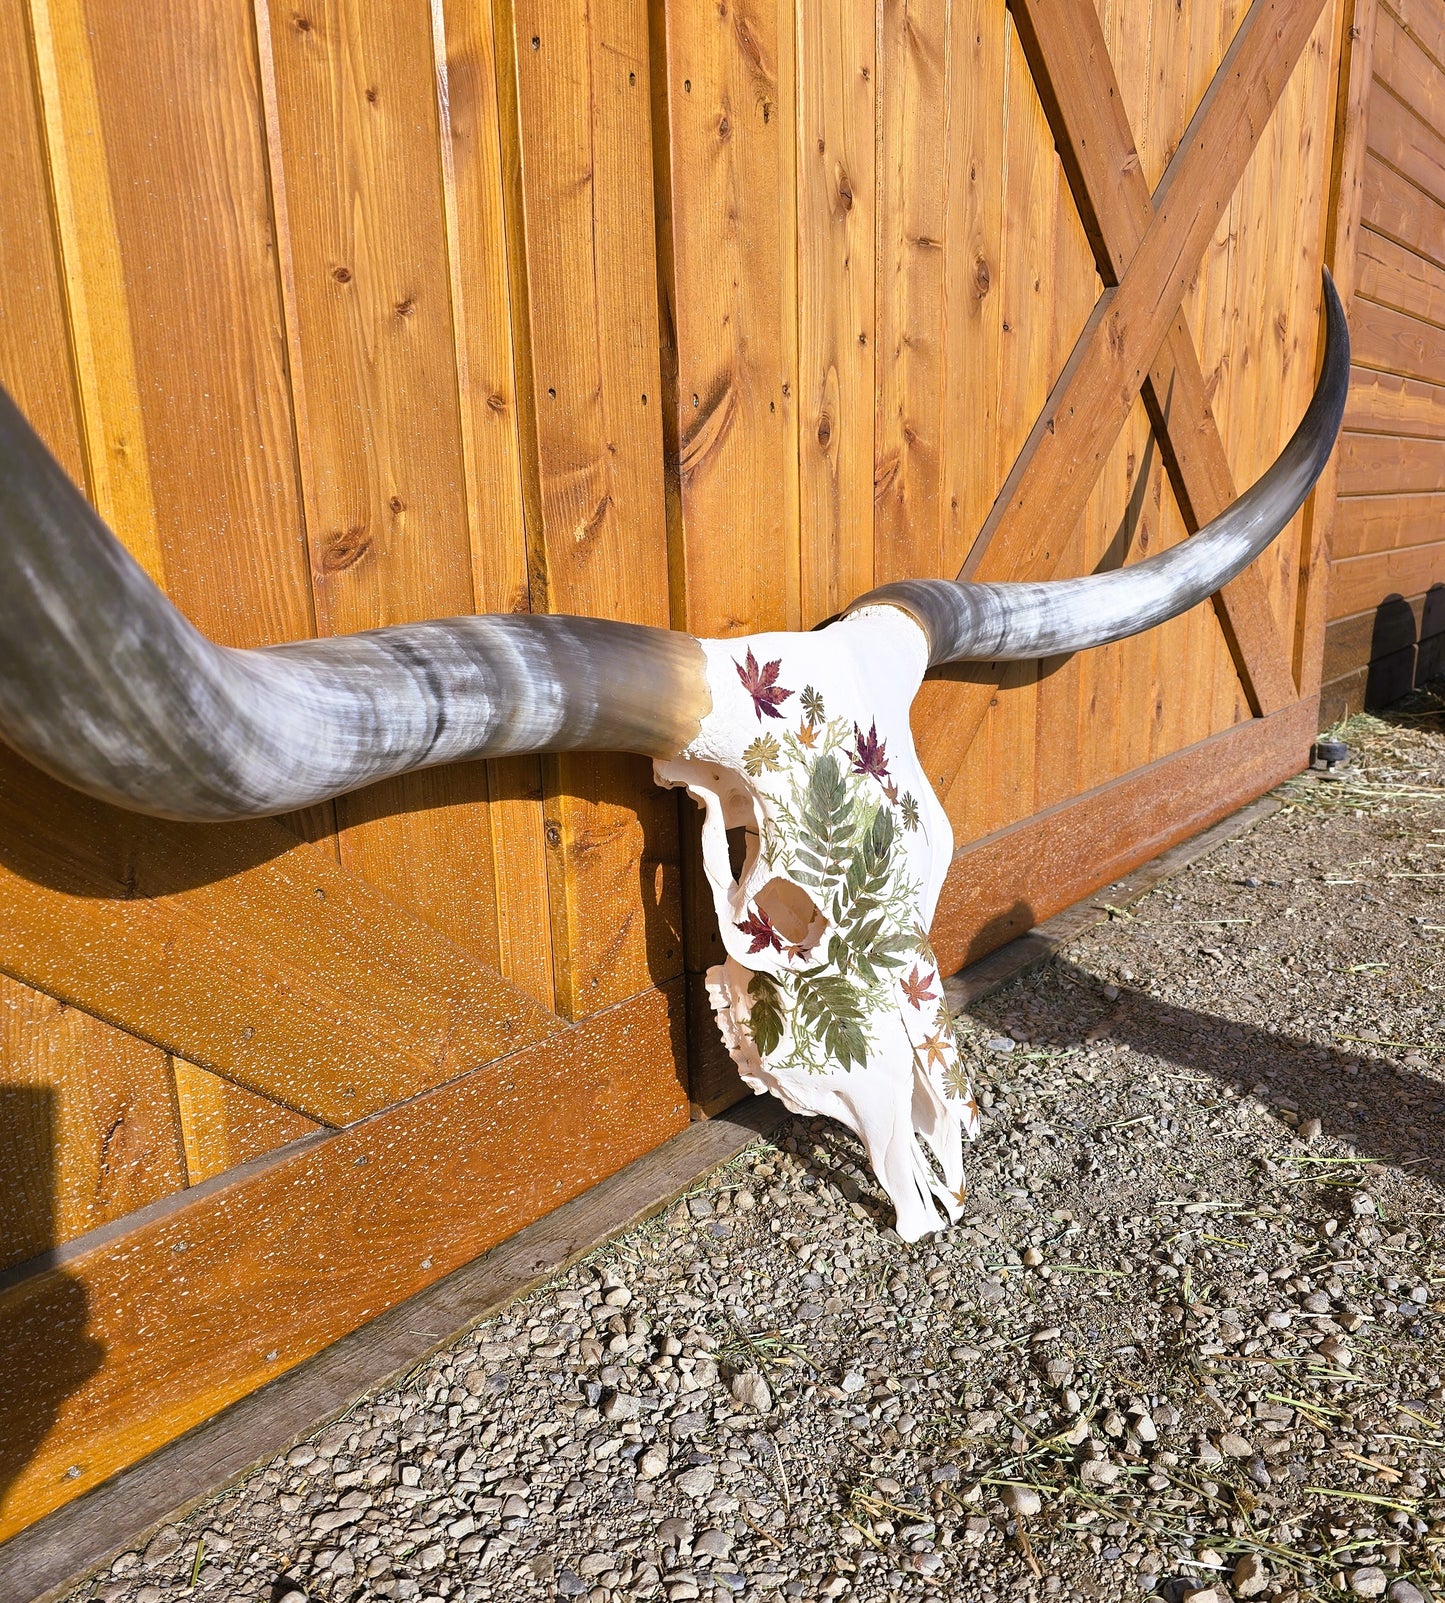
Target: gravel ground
{"type": "Point", "coordinates": [1187, 1342]}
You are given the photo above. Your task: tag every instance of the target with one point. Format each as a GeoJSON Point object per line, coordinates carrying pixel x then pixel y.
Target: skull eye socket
{"type": "Point", "coordinates": [791, 911]}
{"type": "Point", "coordinates": [740, 854]}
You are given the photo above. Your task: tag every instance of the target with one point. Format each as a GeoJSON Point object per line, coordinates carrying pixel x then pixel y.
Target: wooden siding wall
{"type": "Point", "coordinates": [346, 313]}
{"type": "Point", "coordinates": [1387, 576]}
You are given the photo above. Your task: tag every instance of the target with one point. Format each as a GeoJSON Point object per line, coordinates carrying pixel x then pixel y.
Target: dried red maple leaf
{"type": "Point", "coordinates": [762, 685]}
{"type": "Point", "coordinates": [916, 990]}
{"type": "Point", "coordinates": [870, 757]}
{"type": "Point", "coordinates": [759, 927]}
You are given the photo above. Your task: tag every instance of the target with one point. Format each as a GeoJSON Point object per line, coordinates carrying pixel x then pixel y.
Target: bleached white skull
{"type": "Point", "coordinates": [830, 997]}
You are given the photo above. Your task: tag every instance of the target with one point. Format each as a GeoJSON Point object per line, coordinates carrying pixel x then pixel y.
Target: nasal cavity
{"type": "Point", "coordinates": [791, 911]}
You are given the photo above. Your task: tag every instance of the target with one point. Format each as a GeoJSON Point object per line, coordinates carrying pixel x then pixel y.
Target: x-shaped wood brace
{"type": "Point", "coordinates": [1137, 338]}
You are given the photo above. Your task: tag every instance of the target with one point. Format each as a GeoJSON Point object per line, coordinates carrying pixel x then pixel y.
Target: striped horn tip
{"type": "Point", "coordinates": [967, 622]}
{"type": "Point", "coordinates": [105, 686]}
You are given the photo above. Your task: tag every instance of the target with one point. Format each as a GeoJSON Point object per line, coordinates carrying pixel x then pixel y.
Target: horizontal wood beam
{"type": "Point", "coordinates": [243, 950]}
{"type": "Point", "coordinates": [1064, 43]}
{"type": "Point", "coordinates": [129, 1337]}
{"type": "Point", "coordinates": [1001, 886]}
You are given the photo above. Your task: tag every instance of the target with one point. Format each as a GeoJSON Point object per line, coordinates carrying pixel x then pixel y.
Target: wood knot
{"type": "Point", "coordinates": [342, 275]}
{"type": "Point", "coordinates": [344, 548]}
{"type": "Point", "coordinates": [843, 189]}
{"type": "Point", "coordinates": [397, 504]}
{"type": "Point", "coordinates": [825, 430]}
{"type": "Point", "coordinates": [724, 128]}
{"type": "Point", "coordinates": [982, 278]}
{"type": "Point", "coordinates": [496, 402]}
{"type": "Point", "coordinates": [301, 24]}
{"type": "Point", "coordinates": [404, 308]}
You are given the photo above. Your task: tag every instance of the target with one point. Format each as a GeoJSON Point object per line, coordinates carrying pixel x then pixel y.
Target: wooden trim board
{"type": "Point", "coordinates": [1033, 950]}
{"type": "Point", "coordinates": [52, 1555]}
{"type": "Point", "coordinates": [1006, 883]}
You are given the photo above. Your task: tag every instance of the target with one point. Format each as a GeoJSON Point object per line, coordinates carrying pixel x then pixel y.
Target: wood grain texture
{"type": "Point", "coordinates": [357, 158]}
{"type": "Point", "coordinates": [837, 209]}
{"type": "Point", "coordinates": [88, 1128]}
{"type": "Point", "coordinates": [117, 466]}
{"type": "Point", "coordinates": [475, 206]}
{"type": "Point", "coordinates": [1035, 515]}
{"type": "Point", "coordinates": [1110, 363]}
{"type": "Point", "coordinates": [972, 307]}
{"type": "Point", "coordinates": [1424, 21]}
{"type": "Point", "coordinates": [915, 60]}
{"type": "Point", "coordinates": [1358, 583]}
{"type": "Point", "coordinates": [1386, 522]}
{"type": "Point", "coordinates": [1394, 207]}
{"type": "Point", "coordinates": [1070, 62]}
{"type": "Point", "coordinates": [1385, 403]}
{"type": "Point", "coordinates": [243, 950]}
{"type": "Point", "coordinates": [255, 1272]}
{"type": "Point", "coordinates": [174, 260]}
{"type": "Point", "coordinates": [578, 152]}
{"type": "Point", "coordinates": [728, 239]}
{"type": "Point", "coordinates": [224, 1125]}
{"type": "Point", "coordinates": [1399, 278]}
{"type": "Point", "coordinates": [1375, 462]}
{"type": "Point", "coordinates": [1395, 343]}
{"type": "Point", "coordinates": [999, 887]}
{"type": "Point", "coordinates": [59, 1551]}
{"type": "Point", "coordinates": [1405, 120]}
{"type": "Point", "coordinates": [35, 355]}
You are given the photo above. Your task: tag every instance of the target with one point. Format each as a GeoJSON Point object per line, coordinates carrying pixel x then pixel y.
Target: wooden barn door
{"type": "Point", "coordinates": [348, 313]}
{"type": "Point", "coordinates": [343, 315]}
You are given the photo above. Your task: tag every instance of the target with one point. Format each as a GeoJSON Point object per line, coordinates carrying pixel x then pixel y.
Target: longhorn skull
{"type": "Point", "coordinates": [829, 996]}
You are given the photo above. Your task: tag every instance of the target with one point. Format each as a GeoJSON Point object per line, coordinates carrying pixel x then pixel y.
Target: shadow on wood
{"type": "Point", "coordinates": [44, 1349]}
{"type": "Point", "coordinates": [1374, 658]}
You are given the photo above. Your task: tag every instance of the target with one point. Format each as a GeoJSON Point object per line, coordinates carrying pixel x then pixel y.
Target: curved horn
{"type": "Point", "coordinates": [1012, 622]}
{"type": "Point", "coordinates": [106, 686]}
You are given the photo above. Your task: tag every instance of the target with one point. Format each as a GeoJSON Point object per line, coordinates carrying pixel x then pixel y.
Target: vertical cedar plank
{"type": "Point", "coordinates": [913, 93]}
{"type": "Point", "coordinates": [486, 381]}
{"type": "Point", "coordinates": [223, 1124]}
{"type": "Point", "coordinates": [836, 253]}
{"type": "Point", "coordinates": [117, 469]}
{"type": "Point", "coordinates": [175, 305]}
{"type": "Point", "coordinates": [724, 114]}
{"type": "Point", "coordinates": [578, 155]}
{"type": "Point", "coordinates": [358, 164]}
{"type": "Point", "coordinates": [88, 1128]}
{"type": "Point", "coordinates": [976, 166]}
{"type": "Point", "coordinates": [35, 352]}
{"type": "Point", "coordinates": [728, 146]}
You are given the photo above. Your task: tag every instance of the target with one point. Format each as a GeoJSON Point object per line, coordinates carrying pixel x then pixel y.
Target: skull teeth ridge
{"type": "Point", "coordinates": [826, 849]}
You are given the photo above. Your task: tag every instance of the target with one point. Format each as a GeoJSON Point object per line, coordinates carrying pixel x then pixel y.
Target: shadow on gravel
{"type": "Point", "coordinates": [1320, 1082]}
